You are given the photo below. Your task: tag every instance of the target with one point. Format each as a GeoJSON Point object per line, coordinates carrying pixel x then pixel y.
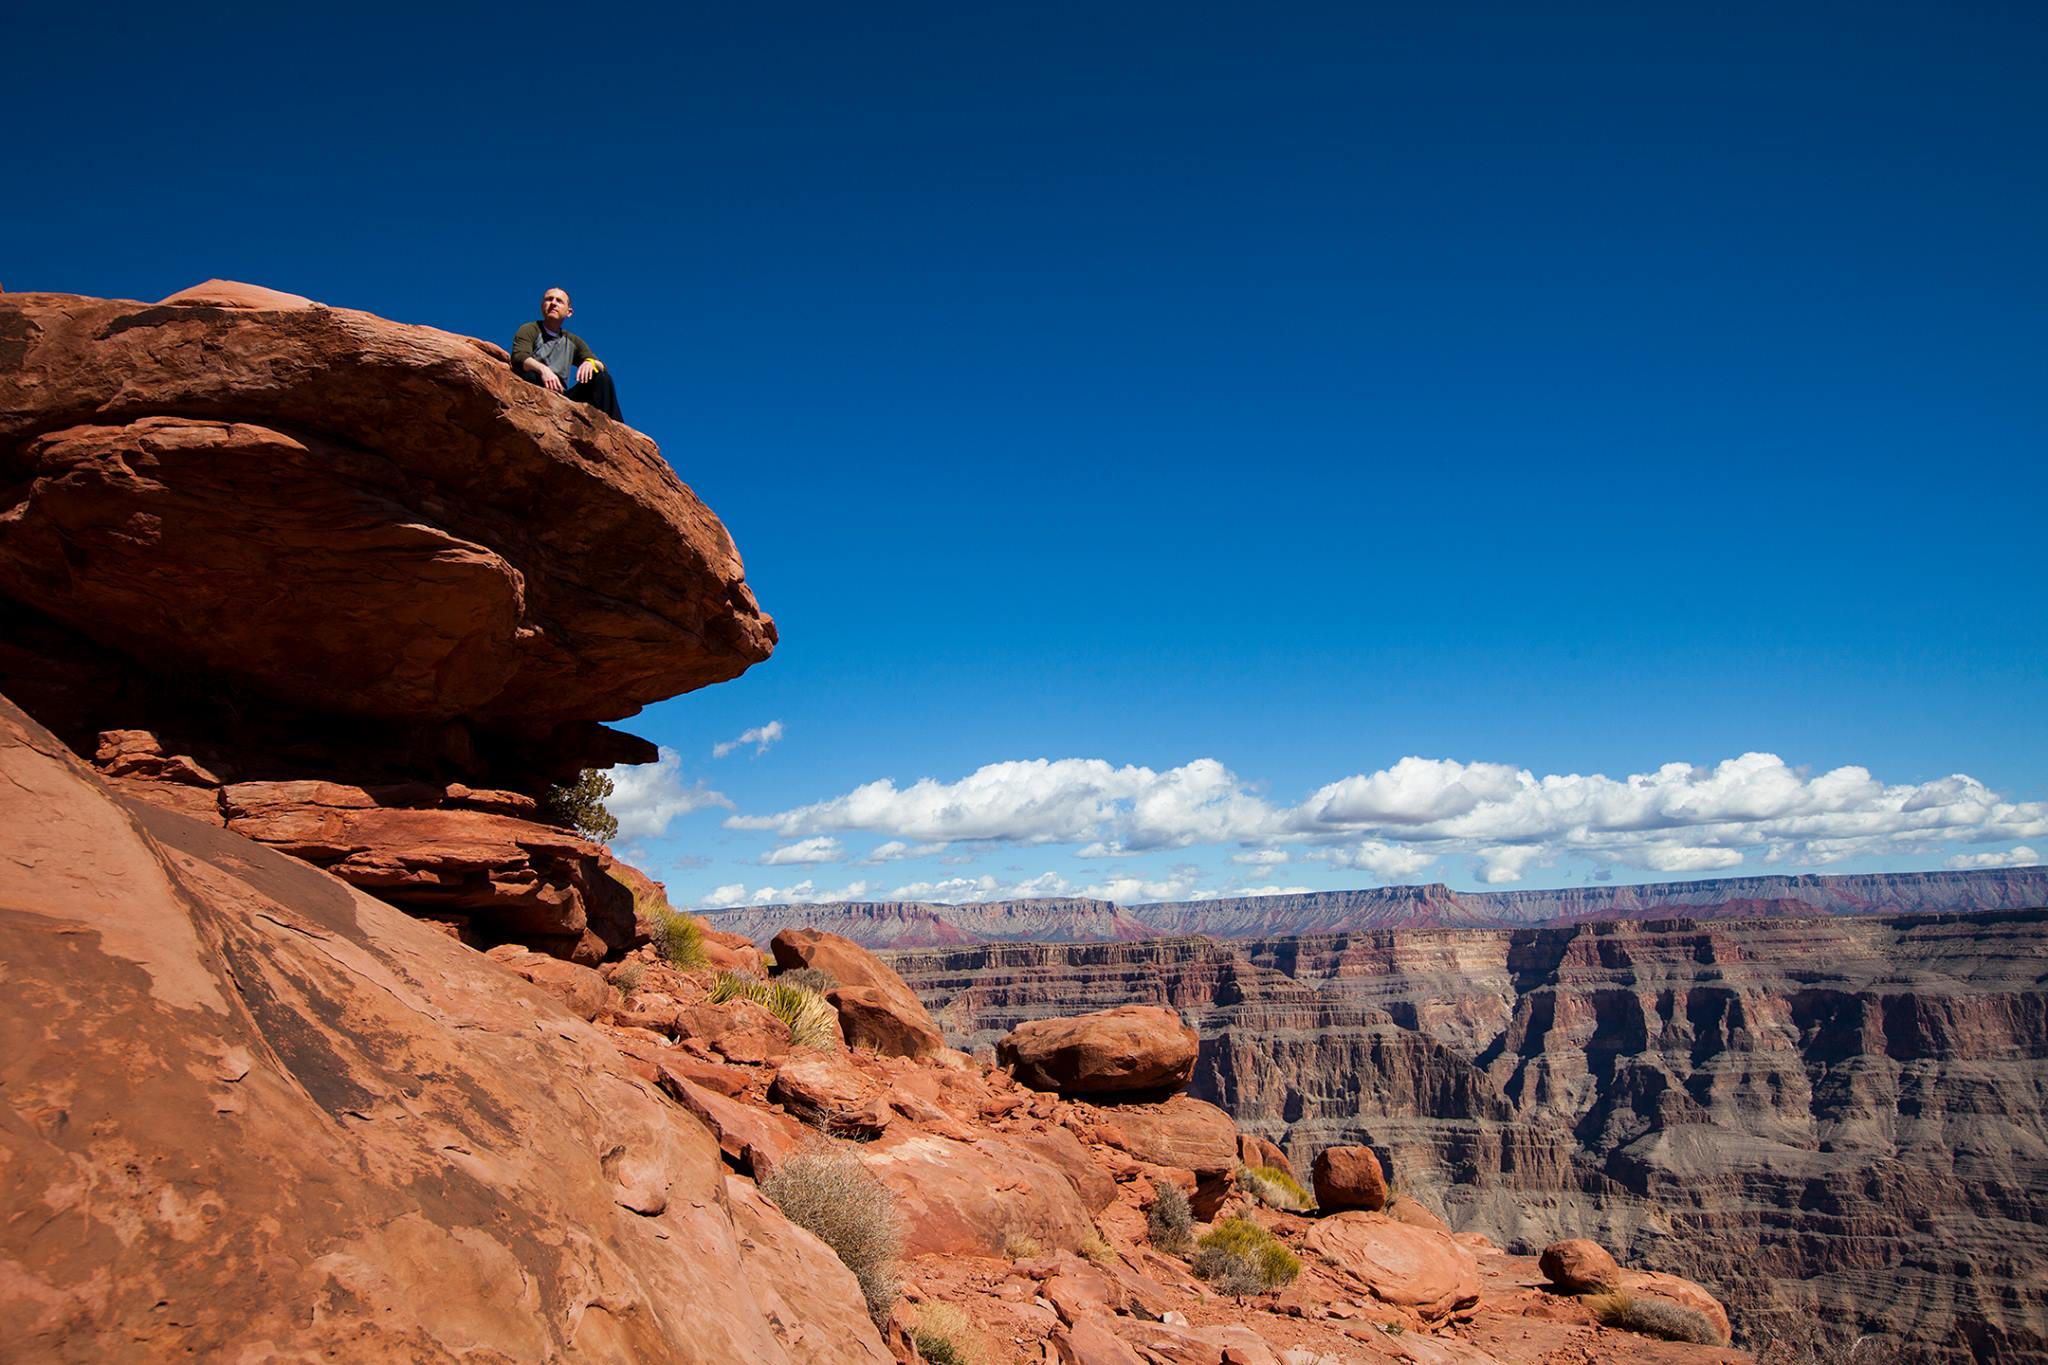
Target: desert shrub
{"type": "Point", "coordinates": [580, 805]}
{"type": "Point", "coordinates": [676, 934]}
{"type": "Point", "coordinates": [1094, 1247]}
{"type": "Point", "coordinates": [1023, 1247]}
{"type": "Point", "coordinates": [629, 976]}
{"type": "Point", "coordinates": [830, 1194]}
{"type": "Point", "coordinates": [1653, 1318]}
{"type": "Point", "coordinates": [1170, 1223]}
{"type": "Point", "coordinates": [810, 978]}
{"type": "Point", "coordinates": [812, 1020]}
{"type": "Point", "coordinates": [1239, 1257]}
{"type": "Point", "coordinates": [1274, 1188]}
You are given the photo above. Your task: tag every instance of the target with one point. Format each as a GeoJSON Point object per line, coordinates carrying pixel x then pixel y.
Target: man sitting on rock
{"type": "Point", "coordinates": [543, 353]}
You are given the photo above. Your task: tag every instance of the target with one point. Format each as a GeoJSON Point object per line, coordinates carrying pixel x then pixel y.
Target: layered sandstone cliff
{"type": "Point", "coordinates": [1839, 1124]}
{"type": "Point", "coordinates": [349, 587]}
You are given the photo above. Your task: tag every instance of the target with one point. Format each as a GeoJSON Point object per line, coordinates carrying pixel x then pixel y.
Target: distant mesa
{"type": "Point", "coordinates": [921, 924]}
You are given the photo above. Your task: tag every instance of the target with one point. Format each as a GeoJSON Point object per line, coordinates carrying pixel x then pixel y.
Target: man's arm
{"type": "Point", "coordinates": [526, 364]}
{"type": "Point", "coordinates": [587, 363]}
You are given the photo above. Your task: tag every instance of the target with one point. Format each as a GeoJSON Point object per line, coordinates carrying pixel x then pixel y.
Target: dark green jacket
{"type": "Point", "coordinates": [528, 337]}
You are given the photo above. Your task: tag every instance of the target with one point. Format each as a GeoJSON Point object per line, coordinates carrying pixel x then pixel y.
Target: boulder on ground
{"type": "Point", "coordinates": [1579, 1266]}
{"type": "Point", "coordinates": [877, 1011]}
{"type": "Point", "coordinates": [1131, 1047]}
{"type": "Point", "coordinates": [978, 1198]}
{"type": "Point", "coordinates": [827, 1092]}
{"type": "Point", "coordinates": [1349, 1178]}
{"type": "Point", "coordinates": [1408, 1267]}
{"type": "Point", "coordinates": [1256, 1152]}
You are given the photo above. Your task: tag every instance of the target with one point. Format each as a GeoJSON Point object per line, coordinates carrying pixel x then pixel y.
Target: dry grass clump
{"type": "Point", "coordinates": [812, 1020]}
{"type": "Point", "coordinates": [1170, 1223]}
{"type": "Point", "coordinates": [830, 1194]}
{"type": "Point", "coordinates": [677, 936]}
{"type": "Point", "coordinates": [1094, 1247]}
{"type": "Point", "coordinates": [945, 1336]}
{"type": "Point", "coordinates": [1653, 1318]}
{"type": "Point", "coordinates": [810, 978]}
{"type": "Point", "coordinates": [1274, 1188]}
{"type": "Point", "coordinates": [629, 977]}
{"type": "Point", "coordinates": [1239, 1257]}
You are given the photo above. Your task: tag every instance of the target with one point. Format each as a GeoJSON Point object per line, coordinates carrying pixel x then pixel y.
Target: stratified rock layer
{"type": "Point", "coordinates": [351, 515]}
{"type": "Point", "coordinates": [351, 588]}
{"type": "Point", "coordinates": [1837, 1124]}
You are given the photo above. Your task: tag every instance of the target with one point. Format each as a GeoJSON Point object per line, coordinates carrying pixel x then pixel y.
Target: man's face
{"type": "Point", "coordinates": [554, 306]}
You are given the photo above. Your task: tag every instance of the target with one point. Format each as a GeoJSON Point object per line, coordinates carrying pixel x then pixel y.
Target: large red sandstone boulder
{"type": "Point", "coordinates": [1578, 1266]}
{"type": "Point", "coordinates": [351, 515]}
{"type": "Point", "coordinates": [1132, 1047]}
{"type": "Point", "coordinates": [1349, 1178]}
{"type": "Point", "coordinates": [829, 1093]}
{"type": "Point", "coordinates": [877, 1012]}
{"type": "Point", "coordinates": [1408, 1267]}
{"type": "Point", "coordinates": [979, 1198]}
{"type": "Point", "coordinates": [256, 1114]}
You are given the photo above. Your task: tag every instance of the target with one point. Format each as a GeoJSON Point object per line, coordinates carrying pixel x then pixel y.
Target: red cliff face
{"type": "Point", "coordinates": [1837, 1123]}
{"type": "Point", "coordinates": [350, 586]}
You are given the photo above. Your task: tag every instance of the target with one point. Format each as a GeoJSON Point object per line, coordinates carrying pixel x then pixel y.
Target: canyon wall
{"type": "Point", "coordinates": [1840, 1124]}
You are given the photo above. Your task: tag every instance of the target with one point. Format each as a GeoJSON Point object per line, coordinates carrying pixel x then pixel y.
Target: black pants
{"type": "Point", "coordinates": [598, 392]}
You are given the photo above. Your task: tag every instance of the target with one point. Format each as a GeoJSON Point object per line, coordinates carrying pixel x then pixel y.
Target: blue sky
{"type": "Point", "coordinates": [1218, 405]}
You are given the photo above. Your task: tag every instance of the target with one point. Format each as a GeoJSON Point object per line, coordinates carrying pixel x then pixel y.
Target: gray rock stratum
{"type": "Point", "coordinates": [1838, 1124]}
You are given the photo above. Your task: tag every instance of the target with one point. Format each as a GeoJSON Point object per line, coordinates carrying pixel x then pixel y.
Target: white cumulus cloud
{"type": "Point", "coordinates": [2022, 856]}
{"type": "Point", "coordinates": [761, 736]}
{"type": "Point", "coordinates": [1398, 820]}
{"type": "Point", "coordinates": [647, 796]}
{"type": "Point", "coordinates": [896, 851]}
{"type": "Point", "coordinates": [823, 849]}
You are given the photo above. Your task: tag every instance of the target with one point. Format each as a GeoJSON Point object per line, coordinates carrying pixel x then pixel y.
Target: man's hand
{"type": "Point", "coordinates": [548, 378]}
{"type": "Point", "coordinates": [587, 369]}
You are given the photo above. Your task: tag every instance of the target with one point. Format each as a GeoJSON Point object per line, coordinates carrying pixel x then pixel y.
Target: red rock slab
{"type": "Point", "coordinates": [738, 1030]}
{"type": "Point", "coordinates": [352, 515]}
{"type": "Point", "coordinates": [1176, 1345]}
{"type": "Point", "coordinates": [876, 1020]}
{"type": "Point", "coordinates": [1183, 1131]}
{"type": "Point", "coordinates": [1092, 1341]}
{"type": "Point", "coordinates": [975, 1198]}
{"type": "Point", "coordinates": [585, 992]}
{"type": "Point", "coordinates": [255, 1114]}
{"type": "Point", "coordinates": [1131, 1047]}
{"type": "Point", "coordinates": [1413, 1212]}
{"type": "Point", "coordinates": [1406, 1266]}
{"type": "Point", "coordinates": [828, 1093]}
{"type": "Point", "coordinates": [755, 1137]}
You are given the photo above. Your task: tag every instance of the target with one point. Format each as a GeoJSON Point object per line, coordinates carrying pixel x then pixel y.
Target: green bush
{"type": "Point", "coordinates": [580, 805]}
{"type": "Point", "coordinates": [1239, 1257]}
{"type": "Point", "coordinates": [1170, 1223]}
{"type": "Point", "coordinates": [1274, 1188]}
{"type": "Point", "coordinates": [1654, 1318]}
{"type": "Point", "coordinates": [812, 1020]}
{"type": "Point", "coordinates": [677, 935]}
{"type": "Point", "coordinates": [828, 1193]}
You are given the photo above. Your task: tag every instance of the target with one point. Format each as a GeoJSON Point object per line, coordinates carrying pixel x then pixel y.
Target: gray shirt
{"type": "Point", "coordinates": [558, 353]}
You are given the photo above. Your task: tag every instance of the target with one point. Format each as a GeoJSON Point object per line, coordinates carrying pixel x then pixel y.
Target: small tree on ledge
{"type": "Point", "coordinates": [580, 805]}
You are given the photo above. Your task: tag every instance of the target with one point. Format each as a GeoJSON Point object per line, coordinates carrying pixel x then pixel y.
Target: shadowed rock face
{"type": "Point", "coordinates": [254, 1114]}
{"type": "Point", "coordinates": [1829, 1121]}
{"type": "Point", "coordinates": [351, 587]}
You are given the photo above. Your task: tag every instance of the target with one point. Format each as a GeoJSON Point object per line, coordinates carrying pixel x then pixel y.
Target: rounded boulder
{"type": "Point", "coordinates": [1578, 1266]}
{"type": "Point", "coordinates": [1132, 1047]}
{"type": "Point", "coordinates": [1349, 1178]}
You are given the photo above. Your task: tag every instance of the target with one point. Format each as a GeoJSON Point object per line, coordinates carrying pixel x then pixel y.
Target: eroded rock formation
{"type": "Point", "coordinates": [351, 587]}
{"type": "Point", "coordinates": [1838, 1123]}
